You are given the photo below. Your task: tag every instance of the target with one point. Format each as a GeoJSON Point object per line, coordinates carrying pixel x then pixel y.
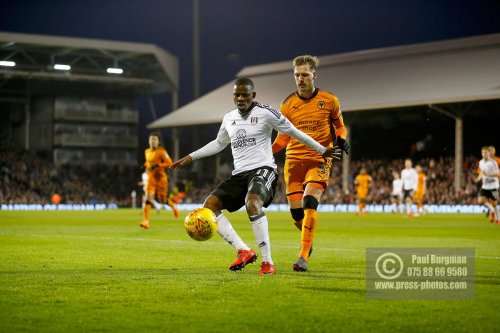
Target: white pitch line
{"type": "Point", "coordinates": [186, 241]}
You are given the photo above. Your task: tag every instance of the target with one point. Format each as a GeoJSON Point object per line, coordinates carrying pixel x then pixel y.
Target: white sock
{"type": "Point", "coordinates": [226, 231]}
{"type": "Point", "coordinates": [394, 208]}
{"type": "Point", "coordinates": [261, 232]}
{"type": "Point", "coordinates": [408, 208]}
{"type": "Point", "coordinates": [491, 209]}
{"type": "Point", "coordinates": [487, 208]}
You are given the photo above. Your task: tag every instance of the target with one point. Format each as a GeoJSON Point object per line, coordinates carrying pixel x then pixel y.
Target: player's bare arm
{"type": "Point", "coordinates": [491, 174]}
{"type": "Point", "coordinates": [479, 177]}
{"type": "Point", "coordinates": [186, 160]}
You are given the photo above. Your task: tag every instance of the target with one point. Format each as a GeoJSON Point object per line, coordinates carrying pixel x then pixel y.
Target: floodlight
{"type": "Point", "coordinates": [7, 63]}
{"type": "Point", "coordinates": [113, 70]}
{"type": "Point", "coordinates": [61, 67]}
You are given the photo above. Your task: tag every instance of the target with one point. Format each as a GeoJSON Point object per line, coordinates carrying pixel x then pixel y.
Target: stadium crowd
{"type": "Point", "coordinates": [26, 178]}
{"type": "Point", "coordinates": [440, 182]}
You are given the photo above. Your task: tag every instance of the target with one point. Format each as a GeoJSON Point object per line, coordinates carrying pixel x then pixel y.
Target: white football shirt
{"type": "Point", "coordinates": [250, 137]}
{"type": "Point", "coordinates": [489, 167]}
{"type": "Point", "coordinates": [397, 187]}
{"type": "Point", "coordinates": [409, 178]}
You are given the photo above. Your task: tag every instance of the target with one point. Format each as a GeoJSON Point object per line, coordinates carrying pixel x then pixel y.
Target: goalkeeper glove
{"type": "Point", "coordinates": [343, 144]}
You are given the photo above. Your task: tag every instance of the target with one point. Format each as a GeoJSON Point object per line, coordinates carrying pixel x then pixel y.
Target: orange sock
{"type": "Point", "coordinates": [308, 231]}
{"type": "Point", "coordinates": [170, 203]}
{"type": "Point", "coordinates": [147, 211]}
{"type": "Point", "coordinates": [360, 208]}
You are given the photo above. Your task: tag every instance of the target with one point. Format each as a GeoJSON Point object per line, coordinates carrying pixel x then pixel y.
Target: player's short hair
{"type": "Point", "coordinates": [244, 81]}
{"type": "Point", "coordinates": [157, 134]}
{"type": "Point", "coordinates": [306, 59]}
{"type": "Point", "coordinates": [486, 148]}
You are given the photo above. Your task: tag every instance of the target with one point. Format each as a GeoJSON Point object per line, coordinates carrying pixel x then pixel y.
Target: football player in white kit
{"type": "Point", "coordinates": [488, 173]}
{"type": "Point", "coordinates": [409, 177]}
{"type": "Point", "coordinates": [248, 128]}
{"type": "Point", "coordinates": [397, 192]}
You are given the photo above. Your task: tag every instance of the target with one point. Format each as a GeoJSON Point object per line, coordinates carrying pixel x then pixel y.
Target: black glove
{"type": "Point", "coordinates": [343, 144]}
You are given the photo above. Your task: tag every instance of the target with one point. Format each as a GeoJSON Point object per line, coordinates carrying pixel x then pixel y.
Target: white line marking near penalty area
{"type": "Point", "coordinates": [186, 241]}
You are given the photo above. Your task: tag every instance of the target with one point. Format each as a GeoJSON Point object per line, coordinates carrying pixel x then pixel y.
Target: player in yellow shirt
{"type": "Point", "coordinates": [418, 197]}
{"type": "Point", "coordinates": [157, 160]}
{"type": "Point", "coordinates": [363, 182]}
{"type": "Point", "coordinates": [314, 112]}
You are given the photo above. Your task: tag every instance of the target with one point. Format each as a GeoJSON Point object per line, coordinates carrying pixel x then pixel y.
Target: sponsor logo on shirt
{"type": "Point", "coordinates": [242, 140]}
{"type": "Point", "coordinates": [308, 125]}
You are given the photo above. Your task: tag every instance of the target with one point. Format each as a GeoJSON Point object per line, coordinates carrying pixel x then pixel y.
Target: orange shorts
{"type": "Point", "coordinates": [298, 174]}
{"type": "Point", "coordinates": [157, 185]}
{"type": "Point", "coordinates": [418, 196]}
{"type": "Point", "coordinates": [362, 193]}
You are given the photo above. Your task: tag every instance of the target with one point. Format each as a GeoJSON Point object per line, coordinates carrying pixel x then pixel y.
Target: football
{"type": "Point", "coordinates": [201, 224]}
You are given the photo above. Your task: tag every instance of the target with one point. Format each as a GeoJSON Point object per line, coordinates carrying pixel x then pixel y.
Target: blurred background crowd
{"type": "Point", "coordinates": [26, 178]}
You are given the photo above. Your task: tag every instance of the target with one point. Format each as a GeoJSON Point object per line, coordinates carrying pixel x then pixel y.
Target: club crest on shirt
{"type": "Point", "coordinates": [241, 134]}
{"type": "Point", "coordinates": [324, 169]}
{"type": "Point", "coordinates": [254, 120]}
{"type": "Point", "coordinates": [321, 104]}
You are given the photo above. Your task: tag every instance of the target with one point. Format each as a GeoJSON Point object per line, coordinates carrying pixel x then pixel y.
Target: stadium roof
{"type": "Point", "coordinates": [450, 71]}
{"type": "Point", "coordinates": [147, 69]}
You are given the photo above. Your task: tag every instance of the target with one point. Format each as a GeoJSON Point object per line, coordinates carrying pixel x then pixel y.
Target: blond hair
{"type": "Point", "coordinates": [306, 59]}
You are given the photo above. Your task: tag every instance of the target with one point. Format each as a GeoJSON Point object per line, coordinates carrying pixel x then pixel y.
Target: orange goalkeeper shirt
{"type": "Point", "coordinates": [313, 116]}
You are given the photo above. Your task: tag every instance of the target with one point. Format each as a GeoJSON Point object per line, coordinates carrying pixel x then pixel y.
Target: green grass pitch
{"type": "Point", "coordinates": [98, 271]}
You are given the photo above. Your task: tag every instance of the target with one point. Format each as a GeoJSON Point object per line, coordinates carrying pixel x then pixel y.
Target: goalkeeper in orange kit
{"type": "Point", "coordinates": [157, 160]}
{"type": "Point", "coordinates": [315, 112]}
